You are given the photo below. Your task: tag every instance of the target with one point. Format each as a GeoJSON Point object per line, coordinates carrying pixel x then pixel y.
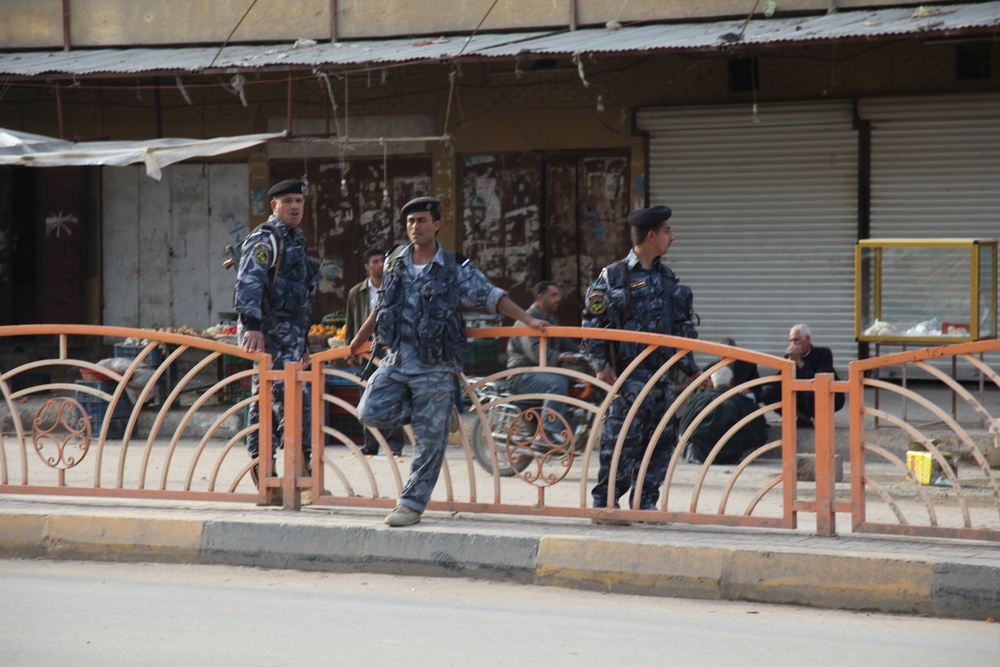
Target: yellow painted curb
{"type": "Point", "coordinates": [22, 534]}
{"type": "Point", "coordinates": [630, 567]}
{"type": "Point", "coordinates": [848, 581]}
{"type": "Point", "coordinates": [120, 537]}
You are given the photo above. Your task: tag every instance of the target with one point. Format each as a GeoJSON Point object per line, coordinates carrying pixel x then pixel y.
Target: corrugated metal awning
{"type": "Point", "coordinates": [922, 21]}
{"type": "Point", "coordinates": [34, 150]}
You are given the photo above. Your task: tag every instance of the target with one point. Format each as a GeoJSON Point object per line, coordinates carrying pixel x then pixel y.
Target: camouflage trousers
{"type": "Point", "coordinates": [637, 438]}
{"type": "Point", "coordinates": [424, 400]}
{"type": "Point", "coordinates": [278, 418]}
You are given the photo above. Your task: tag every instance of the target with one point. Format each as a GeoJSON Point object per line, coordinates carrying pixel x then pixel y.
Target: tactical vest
{"type": "Point", "coordinates": [431, 320]}
{"type": "Point", "coordinates": [674, 308]}
{"type": "Point", "coordinates": [291, 276]}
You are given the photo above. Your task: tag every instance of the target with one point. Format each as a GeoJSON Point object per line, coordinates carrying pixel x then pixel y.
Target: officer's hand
{"type": "Point", "coordinates": [541, 325]}
{"type": "Point", "coordinates": [356, 343]}
{"type": "Point", "coordinates": [253, 341]}
{"type": "Point", "coordinates": [607, 375]}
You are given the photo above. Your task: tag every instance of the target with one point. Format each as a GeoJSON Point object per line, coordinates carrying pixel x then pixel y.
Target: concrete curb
{"type": "Point", "coordinates": [603, 560]}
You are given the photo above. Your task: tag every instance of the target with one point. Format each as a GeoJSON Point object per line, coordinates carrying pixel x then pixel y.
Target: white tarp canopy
{"type": "Point", "coordinates": [34, 150]}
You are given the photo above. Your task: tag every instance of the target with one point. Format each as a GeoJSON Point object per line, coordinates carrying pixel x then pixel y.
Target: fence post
{"type": "Point", "coordinates": [290, 499]}
{"type": "Point", "coordinates": [267, 493]}
{"type": "Point", "coordinates": [826, 517]}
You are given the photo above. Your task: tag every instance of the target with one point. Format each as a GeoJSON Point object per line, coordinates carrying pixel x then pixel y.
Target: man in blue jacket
{"type": "Point", "coordinates": [639, 293]}
{"type": "Point", "coordinates": [273, 299]}
{"type": "Point", "coordinates": [418, 319]}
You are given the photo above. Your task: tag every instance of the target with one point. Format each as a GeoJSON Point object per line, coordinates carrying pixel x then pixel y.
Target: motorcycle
{"type": "Point", "coordinates": [523, 431]}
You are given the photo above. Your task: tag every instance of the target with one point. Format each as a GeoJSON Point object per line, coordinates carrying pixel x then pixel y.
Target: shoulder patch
{"type": "Point", "coordinates": [262, 253]}
{"type": "Point", "coordinates": [596, 303]}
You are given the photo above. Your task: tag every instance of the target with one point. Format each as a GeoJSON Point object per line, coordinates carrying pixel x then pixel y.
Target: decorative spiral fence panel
{"type": "Point", "coordinates": [504, 458]}
{"type": "Point", "coordinates": [924, 453]}
{"type": "Point", "coordinates": [126, 412]}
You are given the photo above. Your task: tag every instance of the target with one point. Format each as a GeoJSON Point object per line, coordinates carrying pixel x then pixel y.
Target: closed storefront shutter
{"type": "Point", "coordinates": [765, 214]}
{"type": "Point", "coordinates": [935, 173]}
{"type": "Point", "coordinates": [935, 166]}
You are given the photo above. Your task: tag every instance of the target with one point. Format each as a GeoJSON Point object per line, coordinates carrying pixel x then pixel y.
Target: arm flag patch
{"type": "Point", "coordinates": [596, 304]}
{"type": "Point", "coordinates": [262, 253]}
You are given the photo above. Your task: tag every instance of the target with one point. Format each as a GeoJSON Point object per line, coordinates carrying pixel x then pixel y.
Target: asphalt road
{"type": "Point", "coordinates": [83, 613]}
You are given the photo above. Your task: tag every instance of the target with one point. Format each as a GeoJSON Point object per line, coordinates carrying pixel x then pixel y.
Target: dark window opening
{"type": "Point", "coordinates": [972, 61]}
{"type": "Point", "coordinates": [545, 63]}
{"type": "Point", "coordinates": [744, 75]}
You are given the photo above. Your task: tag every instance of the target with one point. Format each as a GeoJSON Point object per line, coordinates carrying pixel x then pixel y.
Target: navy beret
{"type": "Point", "coordinates": [647, 218]}
{"type": "Point", "coordinates": [291, 186]}
{"type": "Point", "coordinates": [421, 204]}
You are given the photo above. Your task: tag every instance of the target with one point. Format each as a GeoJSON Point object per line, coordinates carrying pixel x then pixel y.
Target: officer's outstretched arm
{"type": "Point", "coordinates": [505, 306]}
{"type": "Point", "coordinates": [364, 333]}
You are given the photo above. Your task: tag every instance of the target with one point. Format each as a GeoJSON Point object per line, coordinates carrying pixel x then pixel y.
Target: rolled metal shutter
{"type": "Point", "coordinates": [765, 215]}
{"type": "Point", "coordinates": [935, 173]}
{"type": "Point", "coordinates": [935, 166]}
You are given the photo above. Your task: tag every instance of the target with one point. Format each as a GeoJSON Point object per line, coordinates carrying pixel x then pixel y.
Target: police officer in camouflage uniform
{"type": "Point", "coordinates": [418, 319]}
{"type": "Point", "coordinates": [639, 293]}
{"type": "Point", "coordinates": [273, 299]}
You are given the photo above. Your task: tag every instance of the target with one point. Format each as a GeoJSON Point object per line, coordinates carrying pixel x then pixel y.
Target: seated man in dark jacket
{"type": "Point", "coordinates": [810, 360]}
{"type": "Point", "coordinates": [717, 422]}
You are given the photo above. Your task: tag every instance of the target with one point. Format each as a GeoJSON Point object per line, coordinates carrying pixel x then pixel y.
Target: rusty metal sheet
{"type": "Point", "coordinates": [6, 252]}
{"type": "Point", "coordinates": [562, 238]}
{"type": "Point", "coordinates": [501, 197]}
{"type": "Point", "coordinates": [603, 206]}
{"type": "Point", "coordinates": [61, 223]}
{"type": "Point", "coordinates": [844, 25]}
{"type": "Point", "coordinates": [583, 202]}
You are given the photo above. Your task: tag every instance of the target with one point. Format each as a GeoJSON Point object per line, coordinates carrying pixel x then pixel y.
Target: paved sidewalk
{"type": "Point", "coordinates": [944, 578]}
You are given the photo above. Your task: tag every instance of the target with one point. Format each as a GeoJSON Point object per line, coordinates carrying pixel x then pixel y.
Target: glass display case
{"type": "Point", "coordinates": [925, 290]}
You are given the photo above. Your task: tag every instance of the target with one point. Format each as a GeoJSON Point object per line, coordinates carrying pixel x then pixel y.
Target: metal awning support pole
{"type": "Point", "coordinates": [333, 21]}
{"type": "Point", "coordinates": [100, 113]}
{"type": "Point", "coordinates": [288, 120]}
{"type": "Point", "coordinates": [59, 110]}
{"type": "Point", "coordinates": [65, 23]}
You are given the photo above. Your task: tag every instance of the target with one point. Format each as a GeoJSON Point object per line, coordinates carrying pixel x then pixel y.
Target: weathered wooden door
{"type": "Point", "coordinates": [582, 199]}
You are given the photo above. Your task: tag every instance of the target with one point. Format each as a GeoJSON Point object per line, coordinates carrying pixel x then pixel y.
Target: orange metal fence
{"type": "Point", "coordinates": [180, 435]}
{"type": "Point", "coordinates": [924, 454]}
{"type": "Point", "coordinates": [164, 422]}
{"type": "Point", "coordinates": [555, 479]}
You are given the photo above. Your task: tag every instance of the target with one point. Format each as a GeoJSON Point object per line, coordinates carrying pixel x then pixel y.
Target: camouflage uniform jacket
{"type": "Point", "coordinates": [419, 317]}
{"type": "Point", "coordinates": [277, 306]}
{"type": "Point", "coordinates": [626, 296]}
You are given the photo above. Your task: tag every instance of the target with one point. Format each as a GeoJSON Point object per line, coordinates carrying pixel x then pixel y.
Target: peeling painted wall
{"type": "Point", "coordinates": [163, 243]}
{"type": "Point", "coordinates": [583, 199]}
